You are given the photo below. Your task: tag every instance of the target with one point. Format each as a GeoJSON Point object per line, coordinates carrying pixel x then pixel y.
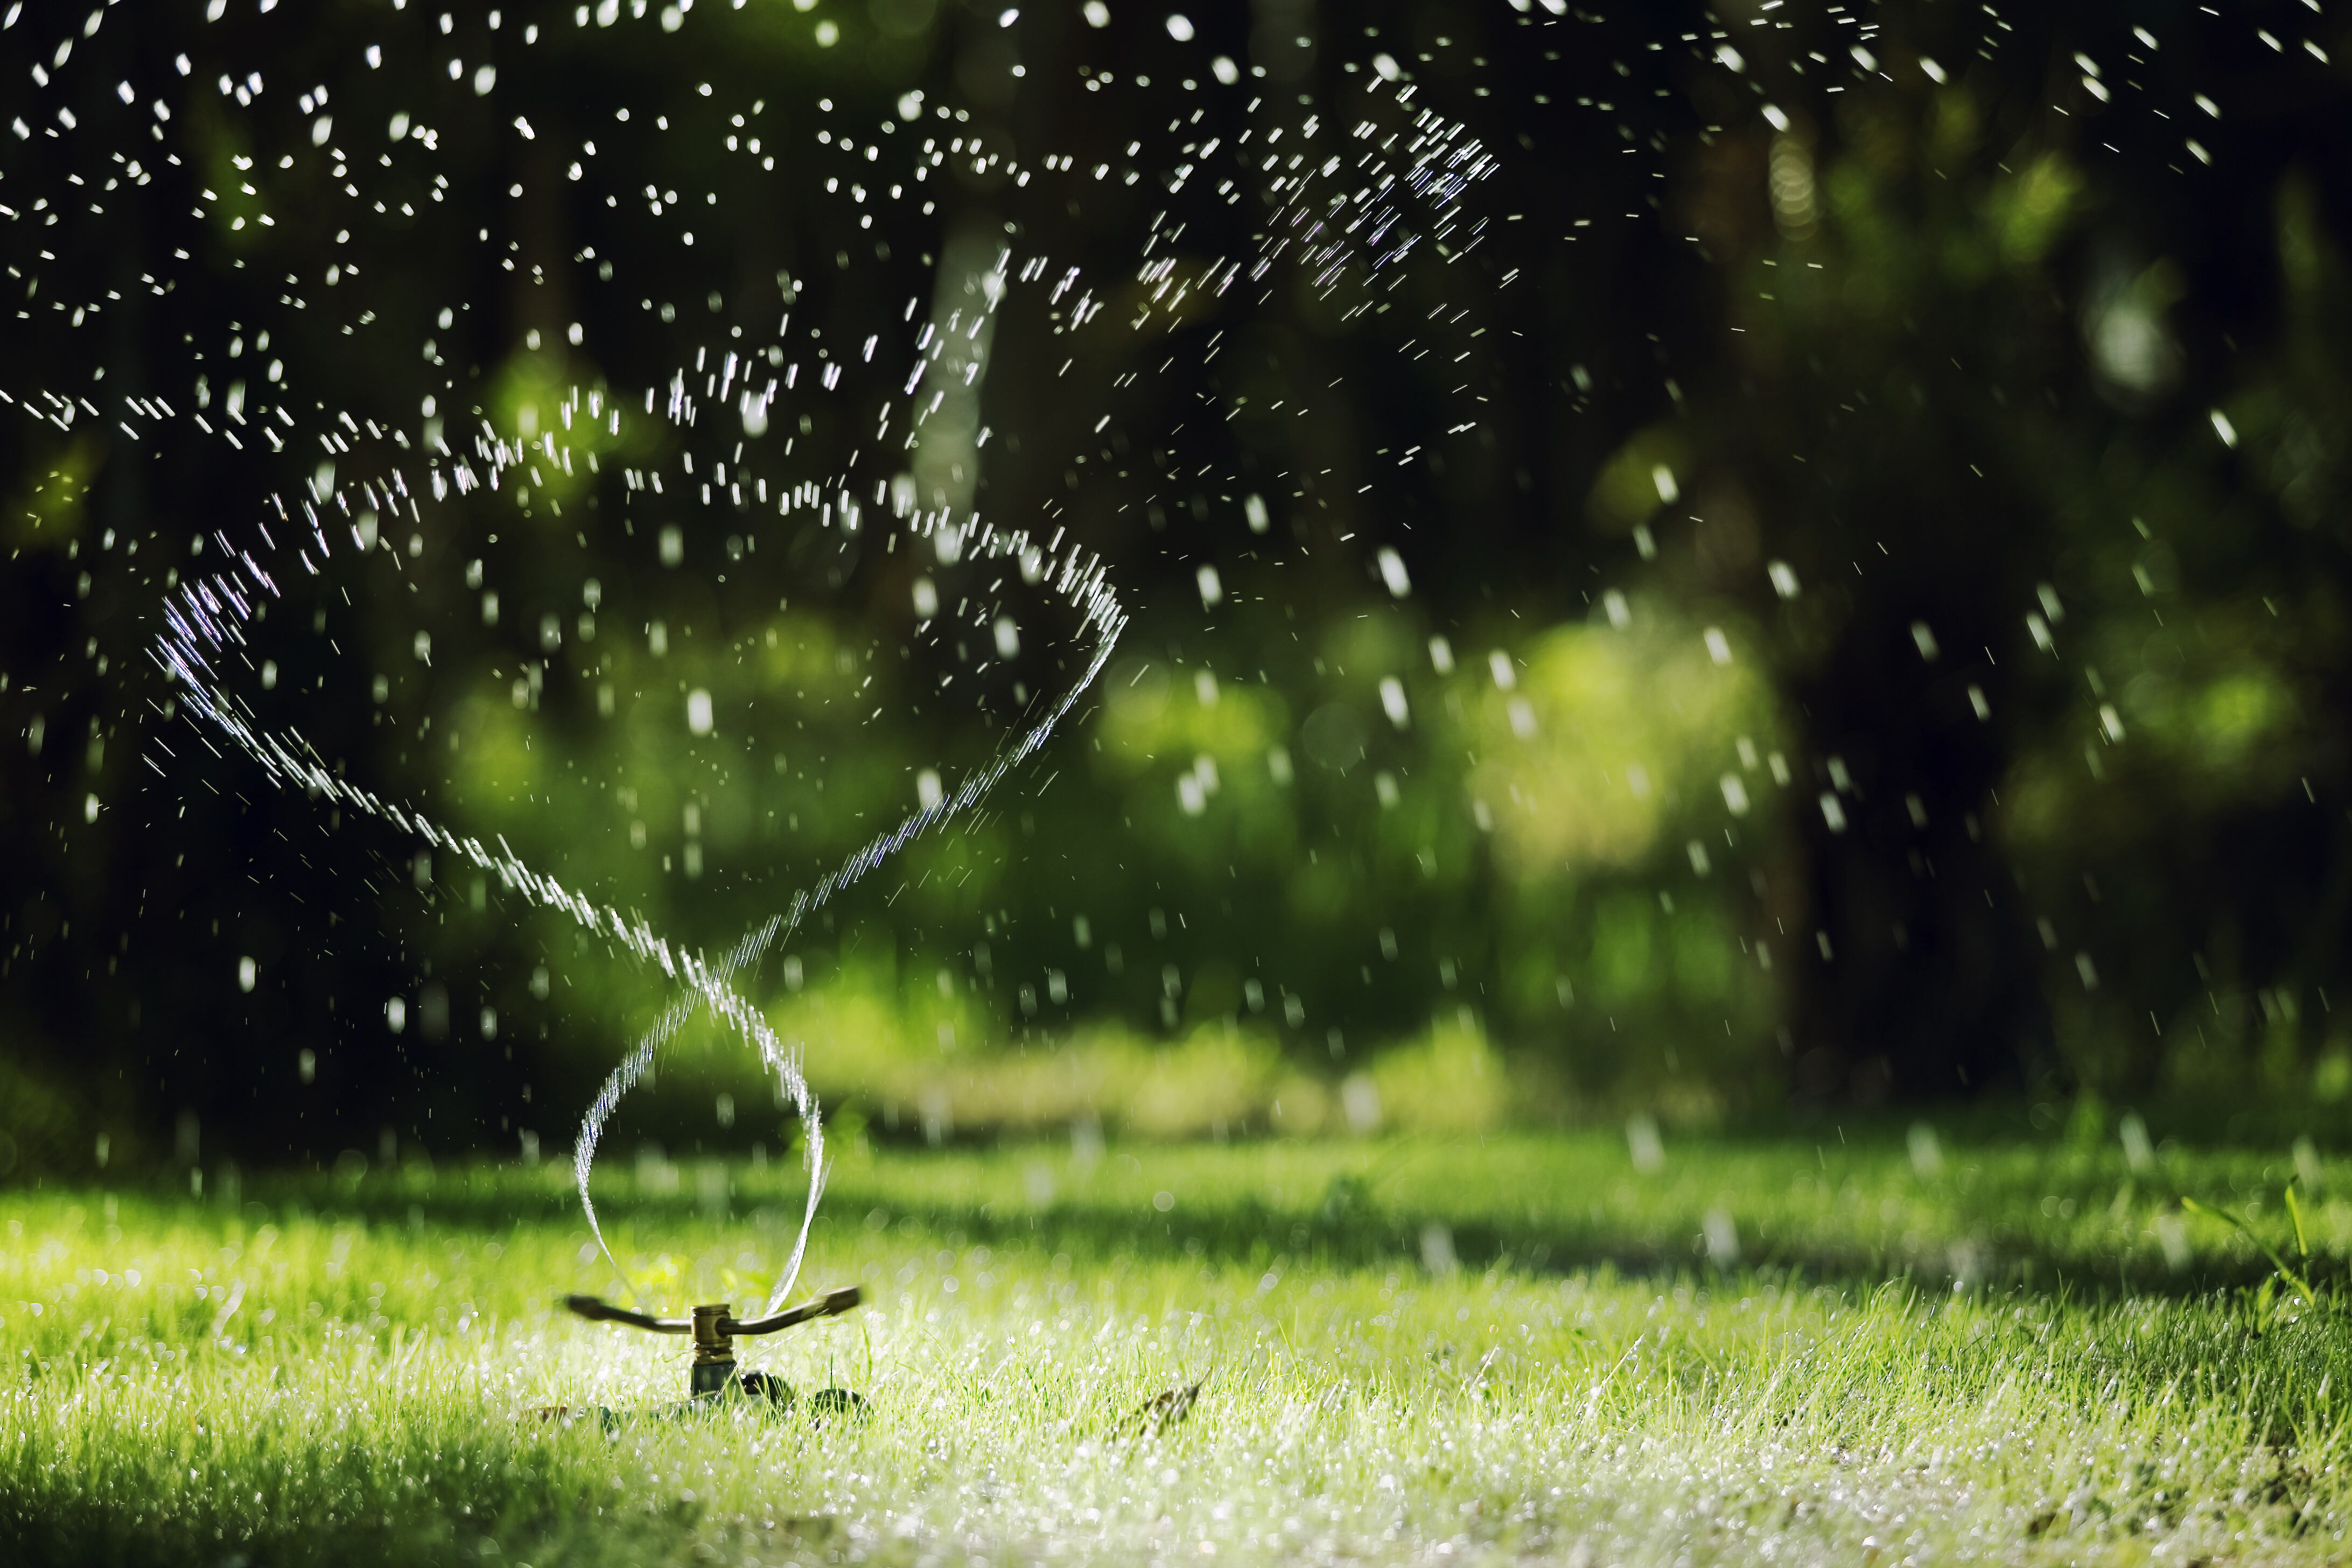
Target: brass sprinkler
{"type": "Point", "coordinates": [715, 1328]}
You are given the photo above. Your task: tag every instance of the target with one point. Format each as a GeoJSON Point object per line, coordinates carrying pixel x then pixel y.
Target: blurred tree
{"type": "Point", "coordinates": [1878, 639]}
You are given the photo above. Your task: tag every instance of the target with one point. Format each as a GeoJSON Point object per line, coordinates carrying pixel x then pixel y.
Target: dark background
{"type": "Point", "coordinates": [1949, 346]}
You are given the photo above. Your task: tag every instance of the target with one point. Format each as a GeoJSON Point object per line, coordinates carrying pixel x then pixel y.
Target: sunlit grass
{"type": "Point", "coordinates": [1405, 1350]}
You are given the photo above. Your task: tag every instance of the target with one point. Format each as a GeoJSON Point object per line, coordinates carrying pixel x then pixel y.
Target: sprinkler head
{"type": "Point", "coordinates": [715, 1328]}
{"type": "Point", "coordinates": [714, 1352]}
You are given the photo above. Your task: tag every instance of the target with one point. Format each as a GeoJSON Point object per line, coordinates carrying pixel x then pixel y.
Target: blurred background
{"type": "Point", "coordinates": [1875, 648]}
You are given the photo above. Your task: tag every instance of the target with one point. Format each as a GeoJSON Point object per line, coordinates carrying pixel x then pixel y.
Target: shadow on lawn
{"type": "Point", "coordinates": [1257, 1237]}
{"type": "Point", "coordinates": [1348, 1225]}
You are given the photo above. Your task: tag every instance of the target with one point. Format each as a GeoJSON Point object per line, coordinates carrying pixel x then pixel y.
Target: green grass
{"type": "Point", "coordinates": [1519, 1348]}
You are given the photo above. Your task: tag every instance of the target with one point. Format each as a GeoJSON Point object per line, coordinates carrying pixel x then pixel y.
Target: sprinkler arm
{"type": "Point", "coordinates": [826, 1306]}
{"type": "Point", "coordinates": [598, 1310]}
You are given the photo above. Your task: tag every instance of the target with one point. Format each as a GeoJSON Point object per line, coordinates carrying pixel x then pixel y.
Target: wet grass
{"type": "Point", "coordinates": [1867, 1350]}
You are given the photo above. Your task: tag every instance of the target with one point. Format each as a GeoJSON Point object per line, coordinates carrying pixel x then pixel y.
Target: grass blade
{"type": "Point", "coordinates": [2267, 1250]}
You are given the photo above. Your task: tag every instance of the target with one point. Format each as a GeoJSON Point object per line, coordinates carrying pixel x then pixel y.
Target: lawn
{"type": "Point", "coordinates": [1858, 1347]}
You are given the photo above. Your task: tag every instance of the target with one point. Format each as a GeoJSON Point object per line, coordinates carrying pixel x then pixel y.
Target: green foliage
{"type": "Point", "coordinates": [1878, 637]}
